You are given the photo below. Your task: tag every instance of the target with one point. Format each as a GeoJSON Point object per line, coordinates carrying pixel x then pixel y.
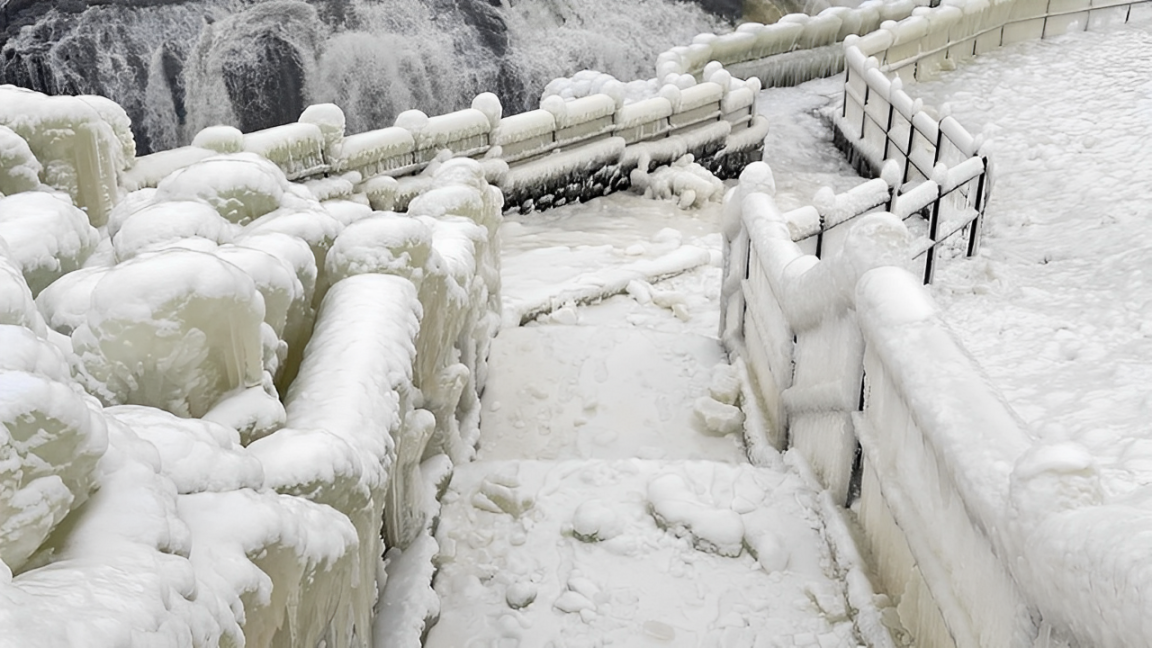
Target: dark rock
{"type": "Point", "coordinates": [726, 9]}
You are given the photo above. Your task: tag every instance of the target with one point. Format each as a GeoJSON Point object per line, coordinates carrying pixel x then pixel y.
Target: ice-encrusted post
{"type": "Point", "coordinates": [799, 331]}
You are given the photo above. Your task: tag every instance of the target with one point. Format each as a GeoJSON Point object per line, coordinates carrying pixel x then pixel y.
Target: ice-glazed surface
{"type": "Point", "coordinates": [1056, 306]}
{"type": "Point", "coordinates": [47, 237]}
{"type": "Point", "coordinates": [176, 330]}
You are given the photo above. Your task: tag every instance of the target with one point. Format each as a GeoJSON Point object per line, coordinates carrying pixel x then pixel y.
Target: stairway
{"type": "Point", "coordinates": [604, 509]}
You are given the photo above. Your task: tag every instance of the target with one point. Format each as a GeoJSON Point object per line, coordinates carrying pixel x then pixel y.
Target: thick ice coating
{"type": "Point", "coordinates": [50, 439]}
{"type": "Point", "coordinates": [176, 330]}
{"type": "Point", "coordinates": [19, 169]}
{"type": "Point", "coordinates": [47, 237]}
{"type": "Point", "coordinates": [241, 187]}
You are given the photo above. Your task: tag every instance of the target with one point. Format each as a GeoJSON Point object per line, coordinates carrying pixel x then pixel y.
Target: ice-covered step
{"type": "Point", "coordinates": [606, 392]}
{"type": "Point", "coordinates": [634, 553]}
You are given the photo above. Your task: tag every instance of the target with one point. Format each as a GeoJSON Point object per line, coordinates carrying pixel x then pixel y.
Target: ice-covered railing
{"type": "Point", "coordinates": [881, 121]}
{"type": "Point", "coordinates": [795, 49]}
{"type": "Point", "coordinates": [806, 328]}
{"type": "Point", "coordinates": [939, 38]}
{"type": "Point", "coordinates": [563, 151]}
{"type": "Point", "coordinates": [154, 490]}
{"type": "Point", "coordinates": [969, 523]}
{"type": "Point", "coordinates": [939, 211]}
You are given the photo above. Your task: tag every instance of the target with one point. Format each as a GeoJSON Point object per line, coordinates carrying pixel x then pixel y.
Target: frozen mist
{"type": "Point", "coordinates": [178, 67]}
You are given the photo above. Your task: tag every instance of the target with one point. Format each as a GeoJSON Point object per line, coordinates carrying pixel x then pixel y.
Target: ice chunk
{"type": "Point", "coordinates": [197, 455]}
{"type": "Point", "coordinates": [158, 225]}
{"type": "Point", "coordinates": [241, 187]}
{"type": "Point", "coordinates": [175, 330]}
{"type": "Point", "coordinates": [50, 440]}
{"type": "Point", "coordinates": [711, 529]}
{"type": "Point", "coordinates": [46, 236]}
{"type": "Point", "coordinates": [688, 183]}
{"type": "Point", "coordinates": [718, 418]}
{"type": "Point", "coordinates": [725, 384]}
{"type": "Point", "coordinates": [19, 169]}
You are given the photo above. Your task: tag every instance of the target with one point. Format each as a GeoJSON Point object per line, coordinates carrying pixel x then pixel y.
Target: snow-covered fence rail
{"type": "Point", "coordinates": [819, 337]}
{"type": "Point", "coordinates": [941, 37]}
{"type": "Point", "coordinates": [979, 535]}
{"type": "Point", "coordinates": [795, 49]}
{"type": "Point", "coordinates": [937, 211]}
{"type": "Point", "coordinates": [563, 151]}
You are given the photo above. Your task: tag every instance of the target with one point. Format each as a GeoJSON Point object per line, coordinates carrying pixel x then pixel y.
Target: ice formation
{"type": "Point", "coordinates": [184, 315]}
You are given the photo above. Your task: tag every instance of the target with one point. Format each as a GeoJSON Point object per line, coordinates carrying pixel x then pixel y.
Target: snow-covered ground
{"type": "Point", "coordinates": [1057, 306]}
{"type": "Point", "coordinates": [611, 502]}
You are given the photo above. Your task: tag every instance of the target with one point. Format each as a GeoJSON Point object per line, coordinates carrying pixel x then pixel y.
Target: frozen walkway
{"type": "Point", "coordinates": [602, 508]}
{"type": "Point", "coordinates": [1057, 306]}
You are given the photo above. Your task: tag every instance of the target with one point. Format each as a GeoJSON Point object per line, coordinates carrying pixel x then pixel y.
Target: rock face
{"type": "Point", "coordinates": [178, 66]}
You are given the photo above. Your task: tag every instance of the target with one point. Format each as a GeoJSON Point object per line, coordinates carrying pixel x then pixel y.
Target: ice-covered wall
{"type": "Point", "coordinates": [156, 491]}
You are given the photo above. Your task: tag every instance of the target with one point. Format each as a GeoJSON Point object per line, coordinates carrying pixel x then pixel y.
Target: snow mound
{"type": "Point", "coordinates": [64, 304]}
{"type": "Point", "coordinates": [676, 508]}
{"type": "Point", "coordinates": [161, 224]}
{"type": "Point", "coordinates": [383, 244]}
{"type": "Point", "coordinates": [684, 181]}
{"type": "Point", "coordinates": [19, 169]}
{"type": "Point", "coordinates": [222, 139]}
{"type": "Point", "coordinates": [50, 440]}
{"type": "Point", "coordinates": [46, 236]}
{"type": "Point", "coordinates": [16, 304]}
{"type": "Point", "coordinates": [82, 144]}
{"type": "Point", "coordinates": [241, 187]}
{"type": "Point", "coordinates": [198, 456]}
{"type": "Point", "coordinates": [595, 521]}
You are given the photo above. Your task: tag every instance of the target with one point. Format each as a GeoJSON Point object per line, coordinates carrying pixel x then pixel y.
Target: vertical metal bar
{"type": "Point", "coordinates": [933, 230]}
{"type": "Point", "coordinates": [888, 129]}
{"type": "Point", "coordinates": [974, 232]}
{"type": "Point", "coordinates": [856, 477]}
{"type": "Point", "coordinates": [864, 108]}
{"type": "Point", "coordinates": [908, 151]}
{"type": "Point", "coordinates": [939, 143]}
{"type": "Point", "coordinates": [847, 80]}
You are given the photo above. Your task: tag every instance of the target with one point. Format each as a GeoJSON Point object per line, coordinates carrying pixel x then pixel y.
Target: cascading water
{"type": "Point", "coordinates": [177, 67]}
